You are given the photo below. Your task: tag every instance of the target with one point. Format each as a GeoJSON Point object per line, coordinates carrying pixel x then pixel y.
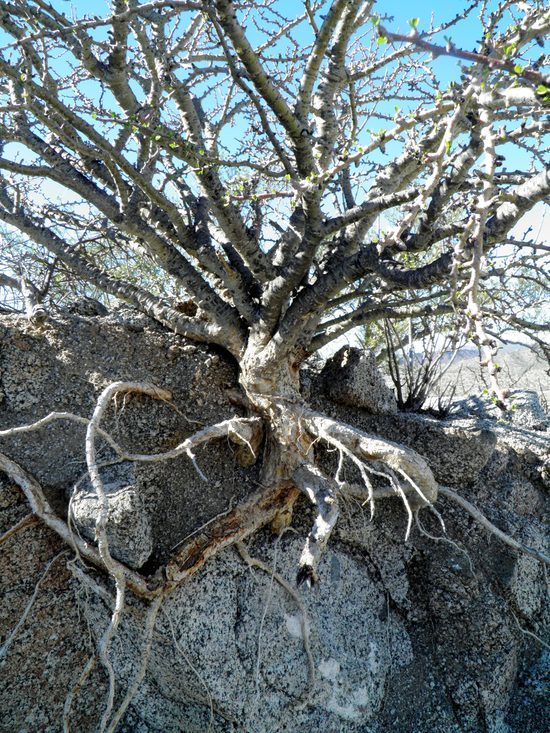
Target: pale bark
{"type": "Point", "coordinates": [246, 176]}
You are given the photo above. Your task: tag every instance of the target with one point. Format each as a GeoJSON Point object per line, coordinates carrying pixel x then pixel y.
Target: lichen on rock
{"type": "Point", "coordinates": [430, 636]}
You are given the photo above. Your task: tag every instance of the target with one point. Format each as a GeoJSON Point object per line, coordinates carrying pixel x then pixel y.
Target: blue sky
{"type": "Point", "coordinates": [465, 34]}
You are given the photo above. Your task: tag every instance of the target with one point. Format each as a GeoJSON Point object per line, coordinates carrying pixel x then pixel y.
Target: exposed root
{"type": "Point", "coordinates": [406, 462]}
{"type": "Point", "coordinates": [109, 724]}
{"type": "Point", "coordinates": [479, 517]}
{"type": "Point", "coordinates": [54, 417]}
{"type": "Point", "coordinates": [193, 669]}
{"type": "Point", "coordinates": [41, 508]}
{"type": "Point", "coordinates": [103, 650]}
{"type": "Point", "coordinates": [114, 569]}
{"type": "Point", "coordinates": [242, 431]}
{"type": "Point", "coordinates": [241, 549]}
{"type": "Point", "coordinates": [423, 531]}
{"type": "Point", "coordinates": [30, 520]}
{"type": "Point", "coordinates": [87, 580]}
{"type": "Point", "coordinates": [236, 525]}
{"type": "Point", "coordinates": [90, 666]}
{"type": "Point", "coordinates": [150, 620]}
{"type": "Point", "coordinates": [322, 493]}
{"type": "Point", "coordinates": [415, 486]}
{"type": "Point", "coordinates": [101, 654]}
{"type": "Point", "coordinates": [203, 527]}
{"type": "Point", "coordinates": [254, 562]}
{"type": "Point", "coordinates": [407, 472]}
{"type": "Point", "coordinates": [363, 470]}
{"type": "Point", "coordinates": [530, 633]}
{"type": "Point", "coordinates": [13, 634]}
{"type": "Point", "coordinates": [407, 475]}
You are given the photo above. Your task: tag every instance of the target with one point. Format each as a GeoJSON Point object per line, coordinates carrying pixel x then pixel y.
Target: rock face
{"type": "Point", "coordinates": [431, 636]}
{"type": "Point", "coordinates": [351, 377]}
{"type": "Point", "coordinates": [129, 531]}
{"type": "Point", "coordinates": [525, 410]}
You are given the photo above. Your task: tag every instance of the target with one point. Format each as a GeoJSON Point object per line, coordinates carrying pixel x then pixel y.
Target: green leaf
{"type": "Point", "coordinates": [448, 147]}
{"type": "Point", "coordinates": [375, 20]}
{"type": "Point", "coordinates": [202, 151]}
{"type": "Point", "coordinates": [157, 137]}
{"type": "Point", "coordinates": [413, 22]}
{"type": "Point", "coordinates": [518, 69]}
{"type": "Point", "coordinates": [173, 145]}
{"type": "Point", "coordinates": [543, 89]}
{"type": "Point", "coordinates": [382, 40]}
{"type": "Point", "coordinates": [94, 115]}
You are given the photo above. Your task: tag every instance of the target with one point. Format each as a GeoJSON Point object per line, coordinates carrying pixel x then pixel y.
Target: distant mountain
{"type": "Point", "coordinates": [521, 369]}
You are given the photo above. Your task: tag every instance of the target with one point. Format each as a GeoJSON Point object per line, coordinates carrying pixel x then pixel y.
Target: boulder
{"type": "Point", "coordinates": [420, 636]}
{"type": "Point", "coordinates": [527, 412]}
{"type": "Point", "coordinates": [352, 378]}
{"type": "Point", "coordinates": [129, 530]}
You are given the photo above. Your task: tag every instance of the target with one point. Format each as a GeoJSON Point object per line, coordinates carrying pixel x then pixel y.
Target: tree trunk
{"type": "Point", "coordinates": [271, 381]}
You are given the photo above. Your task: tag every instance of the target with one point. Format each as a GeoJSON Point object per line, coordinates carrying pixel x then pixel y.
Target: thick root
{"type": "Point", "coordinates": [41, 508]}
{"type": "Point", "coordinates": [290, 465]}
{"type": "Point", "coordinates": [234, 526]}
{"type": "Point", "coordinates": [246, 433]}
{"type": "Point", "coordinates": [407, 473]}
{"type": "Point", "coordinates": [405, 462]}
{"type": "Point", "coordinates": [321, 492]}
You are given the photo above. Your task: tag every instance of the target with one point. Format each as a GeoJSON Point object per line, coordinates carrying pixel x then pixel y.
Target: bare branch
{"type": "Point", "coordinates": [537, 25]}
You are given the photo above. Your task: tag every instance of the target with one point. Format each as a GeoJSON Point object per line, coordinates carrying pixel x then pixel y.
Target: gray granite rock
{"type": "Point", "coordinates": [352, 378]}
{"type": "Point", "coordinates": [235, 636]}
{"type": "Point", "coordinates": [417, 637]}
{"type": "Point", "coordinates": [527, 411]}
{"type": "Point", "coordinates": [86, 306]}
{"type": "Point", "coordinates": [129, 531]}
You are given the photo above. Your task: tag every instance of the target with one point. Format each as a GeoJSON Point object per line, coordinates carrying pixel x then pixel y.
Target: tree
{"type": "Point", "coordinates": [249, 161]}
